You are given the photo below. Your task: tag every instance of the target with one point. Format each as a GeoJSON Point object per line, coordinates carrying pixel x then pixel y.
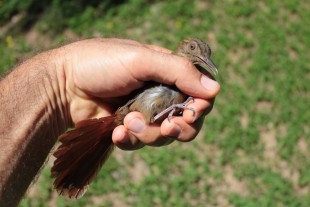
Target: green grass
{"type": "Point", "coordinates": [254, 148]}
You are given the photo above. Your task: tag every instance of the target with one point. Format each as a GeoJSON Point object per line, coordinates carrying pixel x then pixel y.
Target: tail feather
{"type": "Point", "coordinates": [81, 155]}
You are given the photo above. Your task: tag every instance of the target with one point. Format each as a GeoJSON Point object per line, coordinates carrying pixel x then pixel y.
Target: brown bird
{"type": "Point", "coordinates": [84, 150]}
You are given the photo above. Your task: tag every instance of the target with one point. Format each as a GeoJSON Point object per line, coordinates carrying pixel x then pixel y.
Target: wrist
{"type": "Point", "coordinates": [50, 82]}
{"type": "Point", "coordinates": [33, 114]}
{"type": "Point", "coordinates": [58, 89]}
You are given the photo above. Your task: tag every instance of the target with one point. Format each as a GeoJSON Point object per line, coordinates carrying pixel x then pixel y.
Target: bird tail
{"type": "Point", "coordinates": [81, 155]}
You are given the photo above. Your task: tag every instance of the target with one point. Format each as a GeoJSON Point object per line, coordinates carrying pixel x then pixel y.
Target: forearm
{"type": "Point", "coordinates": [32, 115]}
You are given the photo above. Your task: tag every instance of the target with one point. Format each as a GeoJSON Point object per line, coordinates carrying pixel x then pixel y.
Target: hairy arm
{"type": "Point", "coordinates": [32, 115]}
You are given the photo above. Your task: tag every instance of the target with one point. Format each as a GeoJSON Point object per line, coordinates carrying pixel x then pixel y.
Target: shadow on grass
{"type": "Point", "coordinates": [56, 13]}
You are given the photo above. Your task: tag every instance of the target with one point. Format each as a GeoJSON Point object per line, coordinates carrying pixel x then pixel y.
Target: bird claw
{"type": "Point", "coordinates": [171, 109]}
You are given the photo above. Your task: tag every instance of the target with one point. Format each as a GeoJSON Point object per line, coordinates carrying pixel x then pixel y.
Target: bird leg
{"type": "Point", "coordinates": [171, 109]}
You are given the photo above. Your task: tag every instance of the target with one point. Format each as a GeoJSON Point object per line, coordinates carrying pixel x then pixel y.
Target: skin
{"type": "Point", "coordinates": [50, 92]}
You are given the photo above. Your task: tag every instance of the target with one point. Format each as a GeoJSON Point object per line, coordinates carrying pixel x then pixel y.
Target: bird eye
{"type": "Point", "coordinates": [192, 46]}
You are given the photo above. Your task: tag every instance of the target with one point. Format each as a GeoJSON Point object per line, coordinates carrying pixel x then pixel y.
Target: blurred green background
{"type": "Point", "coordinates": [254, 148]}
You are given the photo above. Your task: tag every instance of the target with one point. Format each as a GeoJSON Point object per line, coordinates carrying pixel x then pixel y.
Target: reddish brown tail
{"type": "Point", "coordinates": [81, 155]}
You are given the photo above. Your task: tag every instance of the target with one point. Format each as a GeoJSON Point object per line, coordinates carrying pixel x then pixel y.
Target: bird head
{"type": "Point", "coordinates": [199, 53]}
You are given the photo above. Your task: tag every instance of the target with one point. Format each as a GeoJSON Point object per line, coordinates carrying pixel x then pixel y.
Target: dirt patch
{"type": "Point", "coordinates": [37, 39]}
{"type": "Point", "coordinates": [212, 40]}
{"type": "Point", "coordinates": [137, 170]}
{"type": "Point", "coordinates": [244, 119]}
{"type": "Point", "coordinates": [263, 106]}
{"type": "Point", "coordinates": [115, 198]}
{"type": "Point", "coordinates": [303, 146]}
{"type": "Point", "coordinates": [232, 184]}
{"type": "Point", "coordinates": [268, 137]}
{"type": "Point", "coordinates": [271, 159]}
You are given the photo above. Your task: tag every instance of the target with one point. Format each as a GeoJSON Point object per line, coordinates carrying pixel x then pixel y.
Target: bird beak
{"type": "Point", "coordinates": [208, 65]}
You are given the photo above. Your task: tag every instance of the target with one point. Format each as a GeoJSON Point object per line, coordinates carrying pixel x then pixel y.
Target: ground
{"type": "Point", "coordinates": [254, 147]}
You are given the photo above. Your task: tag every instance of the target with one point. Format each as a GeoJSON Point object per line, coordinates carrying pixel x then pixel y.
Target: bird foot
{"type": "Point", "coordinates": [171, 109]}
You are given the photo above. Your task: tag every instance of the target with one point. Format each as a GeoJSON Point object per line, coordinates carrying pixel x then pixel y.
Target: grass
{"type": "Point", "coordinates": [254, 147]}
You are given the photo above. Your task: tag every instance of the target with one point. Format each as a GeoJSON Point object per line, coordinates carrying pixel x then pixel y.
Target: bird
{"type": "Point", "coordinates": [84, 150]}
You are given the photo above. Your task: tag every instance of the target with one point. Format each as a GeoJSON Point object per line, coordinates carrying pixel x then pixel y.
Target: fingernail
{"type": "Point", "coordinates": [136, 125]}
{"type": "Point", "coordinates": [208, 83]}
{"type": "Point", "coordinates": [175, 131]}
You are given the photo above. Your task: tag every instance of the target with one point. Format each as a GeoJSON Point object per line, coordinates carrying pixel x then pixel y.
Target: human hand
{"type": "Point", "coordinates": [100, 72]}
